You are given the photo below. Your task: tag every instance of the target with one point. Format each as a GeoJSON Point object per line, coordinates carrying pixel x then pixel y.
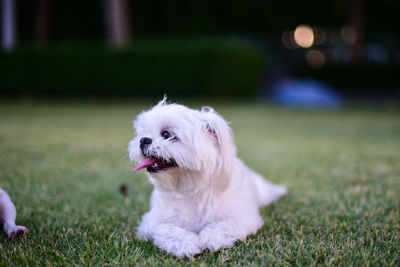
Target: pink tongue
{"type": "Point", "coordinates": [144, 164]}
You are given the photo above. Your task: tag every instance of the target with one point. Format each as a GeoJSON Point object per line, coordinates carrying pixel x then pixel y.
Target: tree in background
{"type": "Point", "coordinates": [42, 21]}
{"type": "Point", "coordinates": [8, 36]}
{"type": "Point", "coordinates": [357, 23]}
{"type": "Point", "coordinates": [117, 22]}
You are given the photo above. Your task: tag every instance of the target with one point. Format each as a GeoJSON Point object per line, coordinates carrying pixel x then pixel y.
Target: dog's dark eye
{"type": "Point", "coordinates": [166, 134]}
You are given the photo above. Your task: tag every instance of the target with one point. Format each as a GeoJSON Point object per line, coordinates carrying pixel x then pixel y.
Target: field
{"type": "Point", "coordinates": [63, 163]}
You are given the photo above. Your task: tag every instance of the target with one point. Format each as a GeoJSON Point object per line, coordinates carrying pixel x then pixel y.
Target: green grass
{"type": "Point", "coordinates": [62, 164]}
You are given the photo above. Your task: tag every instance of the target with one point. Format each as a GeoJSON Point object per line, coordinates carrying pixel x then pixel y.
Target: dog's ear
{"type": "Point", "coordinates": [218, 129]}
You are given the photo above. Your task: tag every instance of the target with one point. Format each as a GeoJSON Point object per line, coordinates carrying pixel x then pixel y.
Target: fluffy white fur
{"type": "Point", "coordinates": [8, 214]}
{"type": "Point", "coordinates": [211, 199]}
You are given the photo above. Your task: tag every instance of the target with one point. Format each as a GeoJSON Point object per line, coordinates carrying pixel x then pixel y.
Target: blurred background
{"type": "Point", "coordinates": [306, 53]}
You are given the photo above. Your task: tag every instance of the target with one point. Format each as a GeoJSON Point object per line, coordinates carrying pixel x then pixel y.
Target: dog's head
{"type": "Point", "coordinates": [182, 148]}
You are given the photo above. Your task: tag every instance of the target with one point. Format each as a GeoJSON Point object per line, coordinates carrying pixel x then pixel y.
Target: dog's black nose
{"type": "Point", "coordinates": [145, 141]}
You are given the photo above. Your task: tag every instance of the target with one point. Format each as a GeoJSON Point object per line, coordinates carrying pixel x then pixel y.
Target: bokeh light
{"type": "Point", "coordinates": [315, 59]}
{"type": "Point", "coordinates": [288, 41]}
{"type": "Point", "coordinates": [304, 36]}
{"type": "Point", "coordinates": [349, 35]}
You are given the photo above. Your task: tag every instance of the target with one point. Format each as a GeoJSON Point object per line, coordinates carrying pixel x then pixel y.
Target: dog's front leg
{"type": "Point", "coordinates": [225, 233]}
{"type": "Point", "coordinates": [8, 215]}
{"type": "Point", "coordinates": [171, 238]}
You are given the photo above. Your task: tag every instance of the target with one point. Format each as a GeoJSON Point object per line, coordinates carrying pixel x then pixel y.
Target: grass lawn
{"type": "Point", "coordinates": [62, 164]}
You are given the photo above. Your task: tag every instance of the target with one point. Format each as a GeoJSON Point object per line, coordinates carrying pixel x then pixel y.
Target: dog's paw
{"type": "Point", "coordinates": [17, 231]}
{"type": "Point", "coordinates": [140, 234]}
{"type": "Point", "coordinates": [187, 248]}
{"type": "Point", "coordinates": [180, 246]}
{"type": "Point", "coordinates": [213, 239]}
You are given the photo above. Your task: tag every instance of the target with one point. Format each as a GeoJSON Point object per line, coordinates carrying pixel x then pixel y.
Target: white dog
{"type": "Point", "coordinates": [8, 214]}
{"type": "Point", "coordinates": [204, 196]}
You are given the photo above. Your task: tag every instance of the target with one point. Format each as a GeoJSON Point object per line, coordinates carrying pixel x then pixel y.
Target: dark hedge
{"type": "Point", "coordinates": [220, 68]}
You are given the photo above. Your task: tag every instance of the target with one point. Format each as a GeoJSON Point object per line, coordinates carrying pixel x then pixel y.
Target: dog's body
{"type": "Point", "coordinates": [204, 197]}
{"type": "Point", "coordinates": [8, 214]}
